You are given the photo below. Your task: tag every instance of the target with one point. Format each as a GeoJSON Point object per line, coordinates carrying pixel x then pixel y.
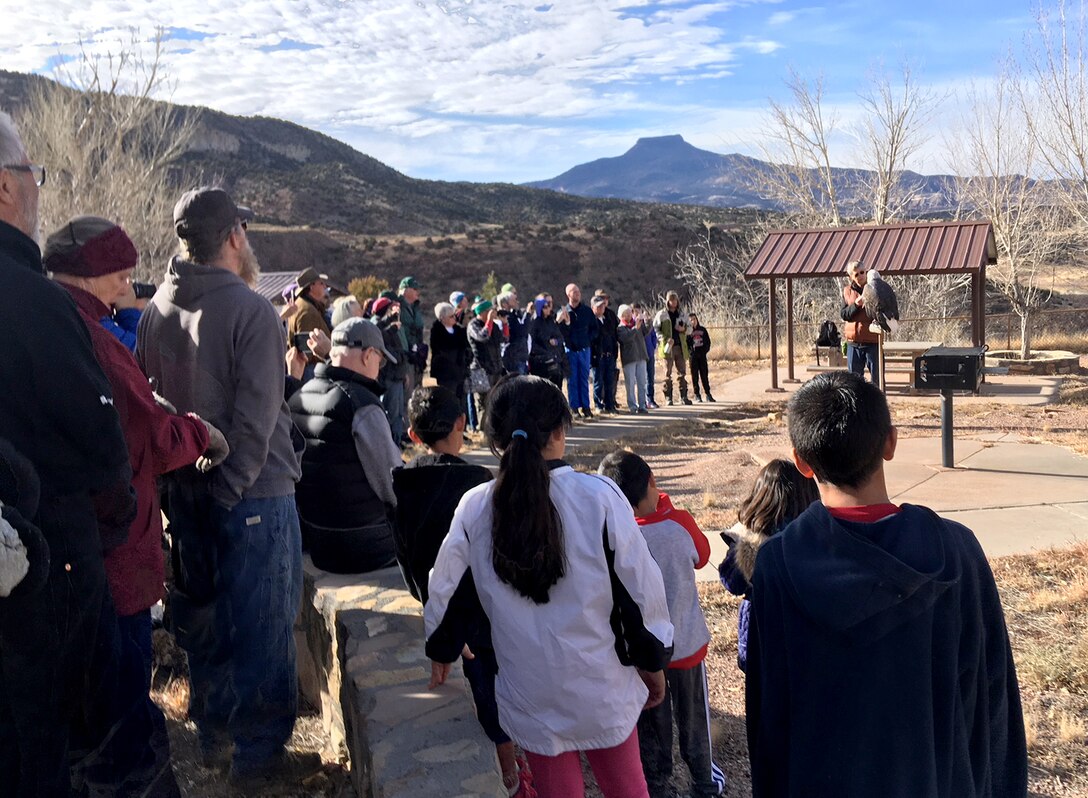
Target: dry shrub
{"type": "Point", "coordinates": [1031, 729]}
{"type": "Point", "coordinates": [1071, 728]}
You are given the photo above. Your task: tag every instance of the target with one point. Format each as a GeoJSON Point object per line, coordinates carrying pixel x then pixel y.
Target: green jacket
{"type": "Point", "coordinates": [663, 325]}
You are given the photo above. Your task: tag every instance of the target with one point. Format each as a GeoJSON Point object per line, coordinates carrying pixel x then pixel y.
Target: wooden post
{"type": "Point", "coordinates": [789, 330]}
{"type": "Point", "coordinates": [880, 360]}
{"type": "Point", "coordinates": [774, 339]}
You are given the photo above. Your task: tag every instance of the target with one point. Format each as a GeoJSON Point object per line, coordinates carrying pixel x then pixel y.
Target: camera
{"type": "Point", "coordinates": [301, 342]}
{"type": "Point", "coordinates": [143, 290]}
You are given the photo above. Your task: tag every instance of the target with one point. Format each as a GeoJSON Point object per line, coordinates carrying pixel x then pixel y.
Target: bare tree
{"type": "Point", "coordinates": [798, 173]}
{"type": "Point", "coordinates": [1054, 96]}
{"type": "Point", "coordinates": [892, 132]}
{"type": "Point", "coordinates": [112, 148]}
{"type": "Point", "coordinates": [1000, 158]}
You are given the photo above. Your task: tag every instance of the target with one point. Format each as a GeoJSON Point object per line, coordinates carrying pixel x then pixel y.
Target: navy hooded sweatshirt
{"type": "Point", "coordinates": [879, 663]}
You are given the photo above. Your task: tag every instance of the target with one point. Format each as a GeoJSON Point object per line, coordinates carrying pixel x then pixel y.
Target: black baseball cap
{"type": "Point", "coordinates": [207, 211]}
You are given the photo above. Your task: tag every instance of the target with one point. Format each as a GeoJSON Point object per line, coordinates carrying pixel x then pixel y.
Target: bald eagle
{"type": "Point", "coordinates": [880, 303]}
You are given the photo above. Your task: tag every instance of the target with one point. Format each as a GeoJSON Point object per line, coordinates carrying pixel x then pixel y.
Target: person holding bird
{"type": "Point", "coordinates": [862, 343]}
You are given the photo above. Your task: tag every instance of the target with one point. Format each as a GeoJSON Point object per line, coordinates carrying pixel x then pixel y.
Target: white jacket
{"type": "Point", "coordinates": [562, 685]}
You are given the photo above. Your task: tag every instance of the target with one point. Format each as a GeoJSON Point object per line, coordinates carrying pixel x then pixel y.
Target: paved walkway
{"type": "Point", "coordinates": [1016, 496]}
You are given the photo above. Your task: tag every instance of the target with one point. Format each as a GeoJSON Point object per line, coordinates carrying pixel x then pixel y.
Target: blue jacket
{"type": "Point", "coordinates": [583, 327]}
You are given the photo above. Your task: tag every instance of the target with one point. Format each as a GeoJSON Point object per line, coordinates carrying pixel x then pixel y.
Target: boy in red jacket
{"type": "Point", "coordinates": [678, 546]}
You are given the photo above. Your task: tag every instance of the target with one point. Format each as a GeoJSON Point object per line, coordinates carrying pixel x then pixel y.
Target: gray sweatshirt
{"type": "Point", "coordinates": [215, 348]}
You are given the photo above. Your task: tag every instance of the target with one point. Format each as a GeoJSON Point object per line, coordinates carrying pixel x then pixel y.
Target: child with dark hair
{"type": "Point", "coordinates": [778, 495]}
{"type": "Point", "coordinates": [428, 490]}
{"type": "Point", "coordinates": [678, 547]}
{"type": "Point", "coordinates": [573, 596]}
{"type": "Point", "coordinates": [699, 348]}
{"type": "Point", "coordinates": [878, 659]}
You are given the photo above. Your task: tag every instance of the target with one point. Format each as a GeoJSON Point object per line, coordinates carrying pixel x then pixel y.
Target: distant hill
{"type": "Point", "coordinates": [669, 169]}
{"type": "Point", "coordinates": [320, 202]}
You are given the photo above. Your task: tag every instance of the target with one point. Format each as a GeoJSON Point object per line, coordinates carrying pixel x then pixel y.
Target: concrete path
{"type": "Point", "coordinates": [1016, 496]}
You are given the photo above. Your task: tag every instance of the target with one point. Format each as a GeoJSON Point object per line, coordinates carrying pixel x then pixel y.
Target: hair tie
{"type": "Point", "coordinates": [519, 433]}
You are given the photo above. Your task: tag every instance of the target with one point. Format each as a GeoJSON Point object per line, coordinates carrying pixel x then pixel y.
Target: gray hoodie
{"type": "Point", "coordinates": [215, 348]}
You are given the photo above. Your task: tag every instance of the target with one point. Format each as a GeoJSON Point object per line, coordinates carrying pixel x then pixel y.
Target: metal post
{"type": "Point", "coordinates": [880, 360]}
{"type": "Point", "coordinates": [948, 460]}
{"type": "Point", "coordinates": [774, 341]}
{"type": "Point", "coordinates": [789, 330]}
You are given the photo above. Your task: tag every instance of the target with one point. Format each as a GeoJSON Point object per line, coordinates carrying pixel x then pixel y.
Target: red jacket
{"type": "Point", "coordinates": [857, 321]}
{"type": "Point", "coordinates": [157, 443]}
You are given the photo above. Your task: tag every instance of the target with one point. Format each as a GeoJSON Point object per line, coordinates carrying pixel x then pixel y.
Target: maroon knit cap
{"type": "Point", "coordinates": [108, 252]}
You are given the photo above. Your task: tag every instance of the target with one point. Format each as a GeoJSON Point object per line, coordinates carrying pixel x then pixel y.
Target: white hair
{"type": "Point", "coordinates": [624, 309]}
{"type": "Point", "coordinates": [339, 351]}
{"type": "Point", "coordinates": [11, 145]}
{"type": "Point", "coordinates": [443, 309]}
{"type": "Point", "coordinates": [505, 299]}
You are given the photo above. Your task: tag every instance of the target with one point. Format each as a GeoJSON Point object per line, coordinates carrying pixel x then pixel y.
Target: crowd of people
{"type": "Point", "coordinates": [471, 344]}
{"type": "Point", "coordinates": [872, 637]}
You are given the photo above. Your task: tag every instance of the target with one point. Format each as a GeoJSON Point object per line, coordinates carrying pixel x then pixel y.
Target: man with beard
{"type": "Point", "coordinates": [215, 348]}
{"type": "Point", "coordinates": [56, 409]}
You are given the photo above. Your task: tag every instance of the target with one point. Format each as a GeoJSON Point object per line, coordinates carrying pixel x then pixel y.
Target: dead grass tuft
{"type": "Point", "coordinates": [1071, 728]}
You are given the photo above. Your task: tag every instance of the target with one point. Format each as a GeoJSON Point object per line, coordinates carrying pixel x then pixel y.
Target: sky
{"type": "Point", "coordinates": [520, 90]}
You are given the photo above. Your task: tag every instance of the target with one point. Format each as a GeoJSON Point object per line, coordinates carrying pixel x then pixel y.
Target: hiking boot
{"type": "Point", "coordinates": [687, 401]}
{"type": "Point", "coordinates": [698, 398]}
{"type": "Point", "coordinates": [709, 397]}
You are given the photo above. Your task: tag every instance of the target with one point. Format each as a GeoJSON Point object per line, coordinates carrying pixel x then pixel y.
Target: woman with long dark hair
{"type": "Point", "coordinates": [557, 562]}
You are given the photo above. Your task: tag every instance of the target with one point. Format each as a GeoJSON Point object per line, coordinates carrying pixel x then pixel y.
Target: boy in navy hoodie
{"type": "Point", "coordinates": [678, 547]}
{"type": "Point", "coordinates": [878, 659]}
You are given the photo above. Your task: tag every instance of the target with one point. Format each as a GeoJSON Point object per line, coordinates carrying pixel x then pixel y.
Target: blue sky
{"type": "Point", "coordinates": [517, 90]}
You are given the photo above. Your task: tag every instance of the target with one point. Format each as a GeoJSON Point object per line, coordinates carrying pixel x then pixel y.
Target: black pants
{"type": "Point", "coordinates": [47, 641]}
{"type": "Point", "coordinates": [699, 371]}
{"type": "Point", "coordinates": [687, 698]}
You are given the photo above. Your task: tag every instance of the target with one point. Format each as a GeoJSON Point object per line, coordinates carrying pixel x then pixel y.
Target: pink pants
{"type": "Point", "coordinates": [618, 771]}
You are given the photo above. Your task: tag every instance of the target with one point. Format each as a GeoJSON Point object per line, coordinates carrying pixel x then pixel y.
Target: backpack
{"type": "Point", "coordinates": [829, 334]}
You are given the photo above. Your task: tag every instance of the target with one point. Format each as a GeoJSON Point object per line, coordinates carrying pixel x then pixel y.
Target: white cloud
{"type": "Point", "coordinates": [781, 17]}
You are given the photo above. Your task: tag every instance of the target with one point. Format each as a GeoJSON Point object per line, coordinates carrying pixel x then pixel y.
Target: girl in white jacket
{"type": "Point", "coordinates": [577, 607]}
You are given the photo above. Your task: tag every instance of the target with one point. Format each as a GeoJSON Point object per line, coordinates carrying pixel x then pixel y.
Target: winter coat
{"type": "Point", "coordinates": [393, 338]}
{"type": "Point", "coordinates": [698, 342]}
{"type": "Point", "coordinates": [214, 347]}
{"type": "Point", "coordinates": [546, 355]}
{"type": "Point", "coordinates": [516, 350]}
{"type": "Point", "coordinates": [486, 342]}
{"type": "Point", "coordinates": [632, 345]}
{"type": "Point", "coordinates": [24, 554]}
{"type": "Point", "coordinates": [879, 663]}
{"type": "Point", "coordinates": [667, 335]}
{"type": "Point", "coordinates": [450, 353]}
{"type": "Point", "coordinates": [158, 442]}
{"type": "Point", "coordinates": [565, 681]}
{"type": "Point", "coordinates": [606, 344]}
{"type": "Point", "coordinates": [310, 316]}
{"type": "Point", "coordinates": [57, 407]}
{"type": "Point", "coordinates": [735, 573]}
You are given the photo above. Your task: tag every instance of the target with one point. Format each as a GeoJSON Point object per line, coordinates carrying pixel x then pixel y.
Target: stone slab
{"type": "Point", "coordinates": [1018, 530]}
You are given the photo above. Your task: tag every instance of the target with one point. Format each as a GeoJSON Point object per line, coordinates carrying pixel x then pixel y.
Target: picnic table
{"type": "Point", "coordinates": [898, 358]}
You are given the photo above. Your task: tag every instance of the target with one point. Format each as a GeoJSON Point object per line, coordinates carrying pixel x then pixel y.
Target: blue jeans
{"type": "Point", "coordinates": [604, 382]}
{"type": "Point", "coordinates": [578, 381]}
{"type": "Point", "coordinates": [858, 356]}
{"type": "Point", "coordinates": [237, 588]}
{"type": "Point", "coordinates": [634, 380]}
{"type": "Point", "coordinates": [393, 403]}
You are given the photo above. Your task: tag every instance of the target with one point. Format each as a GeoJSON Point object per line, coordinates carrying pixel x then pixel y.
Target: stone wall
{"type": "Point", "coordinates": [361, 659]}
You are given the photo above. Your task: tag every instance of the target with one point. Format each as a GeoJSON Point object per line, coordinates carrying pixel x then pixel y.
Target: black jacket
{"type": "Point", "coordinates": [879, 663]}
{"type": "Point", "coordinates": [517, 345]}
{"type": "Point", "coordinates": [486, 347]}
{"type": "Point", "coordinates": [546, 354]}
{"type": "Point", "coordinates": [606, 344]}
{"type": "Point", "coordinates": [450, 353]}
{"type": "Point", "coordinates": [334, 491]}
{"type": "Point", "coordinates": [428, 490]}
{"type": "Point", "coordinates": [56, 407]}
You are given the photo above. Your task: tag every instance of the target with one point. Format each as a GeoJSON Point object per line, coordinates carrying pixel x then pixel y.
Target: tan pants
{"type": "Point", "coordinates": [676, 358]}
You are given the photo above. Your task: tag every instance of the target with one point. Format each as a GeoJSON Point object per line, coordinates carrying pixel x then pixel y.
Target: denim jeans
{"type": "Point", "coordinates": [578, 381]}
{"type": "Point", "coordinates": [634, 381]}
{"type": "Point", "coordinates": [237, 588]}
{"type": "Point", "coordinates": [393, 403]}
{"type": "Point", "coordinates": [858, 356]}
{"type": "Point", "coordinates": [604, 383]}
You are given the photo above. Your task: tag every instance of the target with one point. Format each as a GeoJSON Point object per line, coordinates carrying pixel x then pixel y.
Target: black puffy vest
{"type": "Point", "coordinates": [334, 491]}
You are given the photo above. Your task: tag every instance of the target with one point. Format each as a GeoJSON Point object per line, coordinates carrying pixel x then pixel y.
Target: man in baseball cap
{"type": "Point", "coordinates": [207, 215]}
{"type": "Point", "coordinates": [345, 497]}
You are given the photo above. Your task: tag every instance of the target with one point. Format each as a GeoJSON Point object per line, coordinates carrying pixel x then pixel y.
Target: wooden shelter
{"type": "Point", "coordinates": [892, 249]}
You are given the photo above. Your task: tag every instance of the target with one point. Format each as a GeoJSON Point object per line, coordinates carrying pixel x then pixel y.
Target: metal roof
{"type": "Point", "coordinates": [270, 285]}
{"type": "Point", "coordinates": [933, 248]}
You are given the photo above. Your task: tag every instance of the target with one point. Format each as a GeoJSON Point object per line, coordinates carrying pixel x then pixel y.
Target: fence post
{"type": "Point", "coordinates": [1008, 331]}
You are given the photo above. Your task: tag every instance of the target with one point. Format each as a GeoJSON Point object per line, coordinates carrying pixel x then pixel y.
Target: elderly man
{"type": "Point", "coordinates": [345, 499]}
{"type": "Point", "coordinates": [605, 350]}
{"type": "Point", "coordinates": [214, 347]}
{"type": "Point", "coordinates": [56, 409]}
{"type": "Point", "coordinates": [515, 352]}
{"type": "Point", "coordinates": [580, 328]}
{"type": "Point", "coordinates": [862, 343]}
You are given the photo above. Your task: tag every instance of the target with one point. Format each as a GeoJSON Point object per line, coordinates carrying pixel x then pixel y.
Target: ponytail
{"type": "Point", "coordinates": [527, 548]}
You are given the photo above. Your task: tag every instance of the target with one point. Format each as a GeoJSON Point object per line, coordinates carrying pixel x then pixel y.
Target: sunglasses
{"type": "Point", "coordinates": [37, 171]}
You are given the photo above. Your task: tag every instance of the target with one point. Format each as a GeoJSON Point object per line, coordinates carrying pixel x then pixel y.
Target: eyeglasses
{"type": "Point", "coordinates": [245, 224]}
{"type": "Point", "coordinates": [36, 170]}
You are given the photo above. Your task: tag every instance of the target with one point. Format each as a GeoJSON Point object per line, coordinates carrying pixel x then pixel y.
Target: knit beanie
{"type": "Point", "coordinates": [89, 246]}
